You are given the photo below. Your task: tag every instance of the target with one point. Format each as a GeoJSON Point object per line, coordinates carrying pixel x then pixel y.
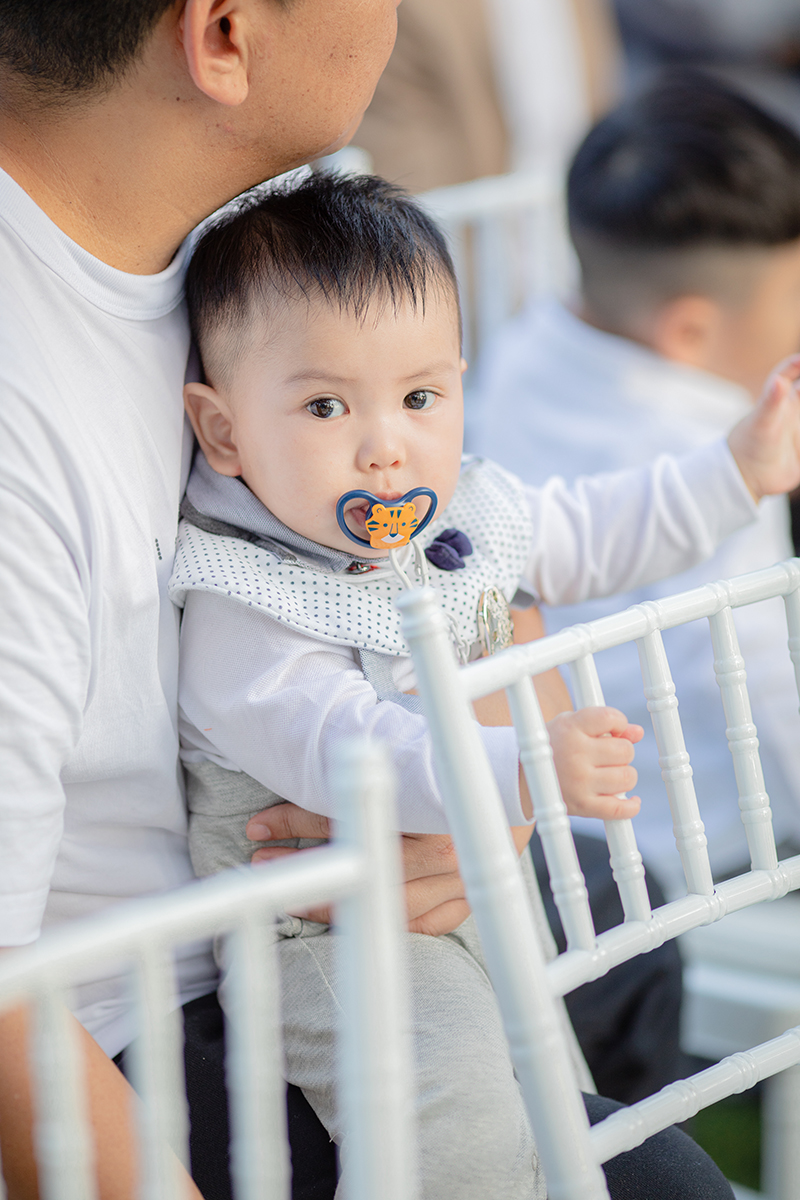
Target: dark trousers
{"type": "Point", "coordinates": [669, 1166]}
{"type": "Point", "coordinates": [313, 1154]}
{"type": "Point", "coordinates": [627, 1022]}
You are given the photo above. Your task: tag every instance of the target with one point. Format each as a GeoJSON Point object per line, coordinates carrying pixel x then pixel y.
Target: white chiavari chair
{"type": "Point", "coordinates": [509, 242]}
{"type": "Point", "coordinates": [526, 984]}
{"type": "Point", "coordinates": [359, 871]}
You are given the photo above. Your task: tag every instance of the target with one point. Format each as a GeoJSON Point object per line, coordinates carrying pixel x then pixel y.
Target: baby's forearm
{"type": "Point", "coordinates": [553, 699]}
{"type": "Point", "coordinates": [615, 532]}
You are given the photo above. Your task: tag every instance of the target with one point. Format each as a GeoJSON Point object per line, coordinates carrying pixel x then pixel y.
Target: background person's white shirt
{"type": "Point", "coordinates": [92, 451]}
{"type": "Point", "coordinates": [558, 395]}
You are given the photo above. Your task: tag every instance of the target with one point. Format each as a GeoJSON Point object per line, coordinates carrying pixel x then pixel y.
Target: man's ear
{"type": "Point", "coordinates": [686, 330]}
{"type": "Point", "coordinates": [218, 43]}
{"type": "Point", "coordinates": [213, 428]}
{"type": "Point", "coordinates": [463, 365]}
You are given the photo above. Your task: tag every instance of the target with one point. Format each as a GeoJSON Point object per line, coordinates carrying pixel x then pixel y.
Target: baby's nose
{"type": "Point", "coordinates": [382, 450]}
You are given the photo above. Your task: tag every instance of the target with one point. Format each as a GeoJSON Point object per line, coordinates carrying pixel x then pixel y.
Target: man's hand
{"type": "Point", "coordinates": [434, 892]}
{"type": "Point", "coordinates": [436, 901]}
{"type": "Point", "coordinates": [766, 443]}
{"type": "Point", "coordinates": [435, 897]}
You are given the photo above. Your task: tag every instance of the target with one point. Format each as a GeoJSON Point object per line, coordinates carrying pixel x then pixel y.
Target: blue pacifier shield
{"type": "Point", "coordinates": [390, 524]}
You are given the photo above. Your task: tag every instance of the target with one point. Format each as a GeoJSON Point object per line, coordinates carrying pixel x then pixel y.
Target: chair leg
{"type": "Point", "coordinates": [780, 1136]}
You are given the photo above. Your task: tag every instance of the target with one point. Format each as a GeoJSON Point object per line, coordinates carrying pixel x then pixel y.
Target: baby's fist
{"type": "Point", "coordinates": [593, 750]}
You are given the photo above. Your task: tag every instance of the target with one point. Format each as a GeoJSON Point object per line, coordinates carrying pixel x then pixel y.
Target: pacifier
{"type": "Point", "coordinates": [391, 525]}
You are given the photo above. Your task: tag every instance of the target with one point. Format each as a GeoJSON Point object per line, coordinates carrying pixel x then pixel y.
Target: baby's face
{"type": "Point", "coordinates": [330, 403]}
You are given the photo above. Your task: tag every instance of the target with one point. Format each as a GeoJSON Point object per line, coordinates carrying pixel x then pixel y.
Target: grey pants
{"type": "Point", "coordinates": [475, 1142]}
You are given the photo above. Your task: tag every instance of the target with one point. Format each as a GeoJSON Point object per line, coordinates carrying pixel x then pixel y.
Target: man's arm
{"type": "Point", "coordinates": [45, 652]}
{"type": "Point", "coordinates": [550, 687]}
{"type": "Point", "coordinates": [111, 1109]}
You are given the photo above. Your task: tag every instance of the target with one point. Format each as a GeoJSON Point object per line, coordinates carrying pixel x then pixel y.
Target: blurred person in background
{"type": "Point", "coordinates": [481, 87]}
{"type": "Point", "coordinates": [753, 45]}
{"type": "Point", "coordinates": [684, 207]}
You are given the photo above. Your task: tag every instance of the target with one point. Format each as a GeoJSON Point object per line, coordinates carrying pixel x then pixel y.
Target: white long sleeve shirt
{"type": "Point", "coordinates": [260, 697]}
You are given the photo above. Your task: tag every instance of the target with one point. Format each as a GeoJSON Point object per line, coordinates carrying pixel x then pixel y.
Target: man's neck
{"type": "Point", "coordinates": [119, 175]}
{"type": "Point", "coordinates": [113, 192]}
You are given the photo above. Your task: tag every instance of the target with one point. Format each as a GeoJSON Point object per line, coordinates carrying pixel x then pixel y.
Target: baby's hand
{"type": "Point", "coordinates": [766, 443]}
{"type": "Point", "coordinates": [592, 749]}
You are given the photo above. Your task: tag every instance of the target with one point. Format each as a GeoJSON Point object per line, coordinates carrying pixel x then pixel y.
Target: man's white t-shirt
{"type": "Point", "coordinates": [93, 450]}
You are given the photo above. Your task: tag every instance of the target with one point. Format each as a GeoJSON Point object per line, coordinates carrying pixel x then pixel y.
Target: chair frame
{"type": "Point", "coordinates": [527, 986]}
{"type": "Point", "coordinates": [509, 242]}
{"type": "Point", "coordinates": [360, 872]}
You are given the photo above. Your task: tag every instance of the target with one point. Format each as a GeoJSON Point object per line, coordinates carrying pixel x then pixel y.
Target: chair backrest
{"type": "Point", "coordinates": [526, 985]}
{"type": "Point", "coordinates": [360, 872]}
{"type": "Point", "coordinates": [509, 243]}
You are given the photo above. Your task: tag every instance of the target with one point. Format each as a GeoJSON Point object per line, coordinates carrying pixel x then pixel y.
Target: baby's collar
{"type": "Point", "coordinates": [223, 505]}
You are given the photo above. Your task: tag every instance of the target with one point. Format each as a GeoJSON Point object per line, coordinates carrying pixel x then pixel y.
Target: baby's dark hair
{"type": "Point", "coordinates": [345, 238]}
{"type": "Point", "coordinates": [688, 167]}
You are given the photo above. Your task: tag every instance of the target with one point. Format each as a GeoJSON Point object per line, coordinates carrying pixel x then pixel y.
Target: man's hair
{"type": "Point", "coordinates": [664, 188]}
{"type": "Point", "coordinates": [343, 238]}
{"type": "Point", "coordinates": [62, 48]}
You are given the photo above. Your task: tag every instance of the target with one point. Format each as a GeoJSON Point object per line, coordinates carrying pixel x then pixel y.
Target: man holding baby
{"type": "Point", "coordinates": [121, 128]}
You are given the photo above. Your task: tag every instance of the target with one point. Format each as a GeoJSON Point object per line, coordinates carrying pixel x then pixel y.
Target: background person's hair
{"type": "Point", "coordinates": [63, 48]}
{"type": "Point", "coordinates": [346, 239]}
{"type": "Point", "coordinates": [664, 188]}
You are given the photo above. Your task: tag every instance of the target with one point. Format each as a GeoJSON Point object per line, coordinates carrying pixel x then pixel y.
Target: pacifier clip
{"type": "Point", "coordinates": [391, 526]}
{"type": "Point", "coordinates": [394, 525]}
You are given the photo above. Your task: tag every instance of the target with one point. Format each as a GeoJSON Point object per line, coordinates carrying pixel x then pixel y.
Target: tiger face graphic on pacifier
{"type": "Point", "coordinates": [390, 524]}
{"type": "Point", "coordinates": [393, 525]}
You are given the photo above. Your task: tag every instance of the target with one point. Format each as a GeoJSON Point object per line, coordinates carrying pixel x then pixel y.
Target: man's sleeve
{"type": "Point", "coordinates": [616, 532]}
{"type": "Point", "coordinates": [44, 674]}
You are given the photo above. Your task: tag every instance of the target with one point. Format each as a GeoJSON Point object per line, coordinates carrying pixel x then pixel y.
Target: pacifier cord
{"type": "Point", "coordinates": [420, 567]}
{"type": "Point", "coordinates": [401, 515]}
{"type": "Point", "coordinates": [462, 648]}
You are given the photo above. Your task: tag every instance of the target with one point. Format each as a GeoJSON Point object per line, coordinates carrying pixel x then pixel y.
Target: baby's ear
{"type": "Point", "coordinates": [213, 427]}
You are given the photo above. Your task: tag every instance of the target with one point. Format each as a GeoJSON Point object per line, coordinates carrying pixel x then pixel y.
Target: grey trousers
{"type": "Point", "coordinates": [475, 1142]}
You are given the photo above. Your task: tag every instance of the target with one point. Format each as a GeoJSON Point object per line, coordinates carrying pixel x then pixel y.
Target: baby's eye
{"type": "Point", "coordinates": [326, 407]}
{"type": "Point", "coordinates": [420, 400]}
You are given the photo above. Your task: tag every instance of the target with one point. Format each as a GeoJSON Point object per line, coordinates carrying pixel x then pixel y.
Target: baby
{"type": "Point", "coordinates": [327, 320]}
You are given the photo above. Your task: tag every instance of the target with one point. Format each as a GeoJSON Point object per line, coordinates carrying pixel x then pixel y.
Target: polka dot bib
{"type": "Point", "coordinates": [488, 505]}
